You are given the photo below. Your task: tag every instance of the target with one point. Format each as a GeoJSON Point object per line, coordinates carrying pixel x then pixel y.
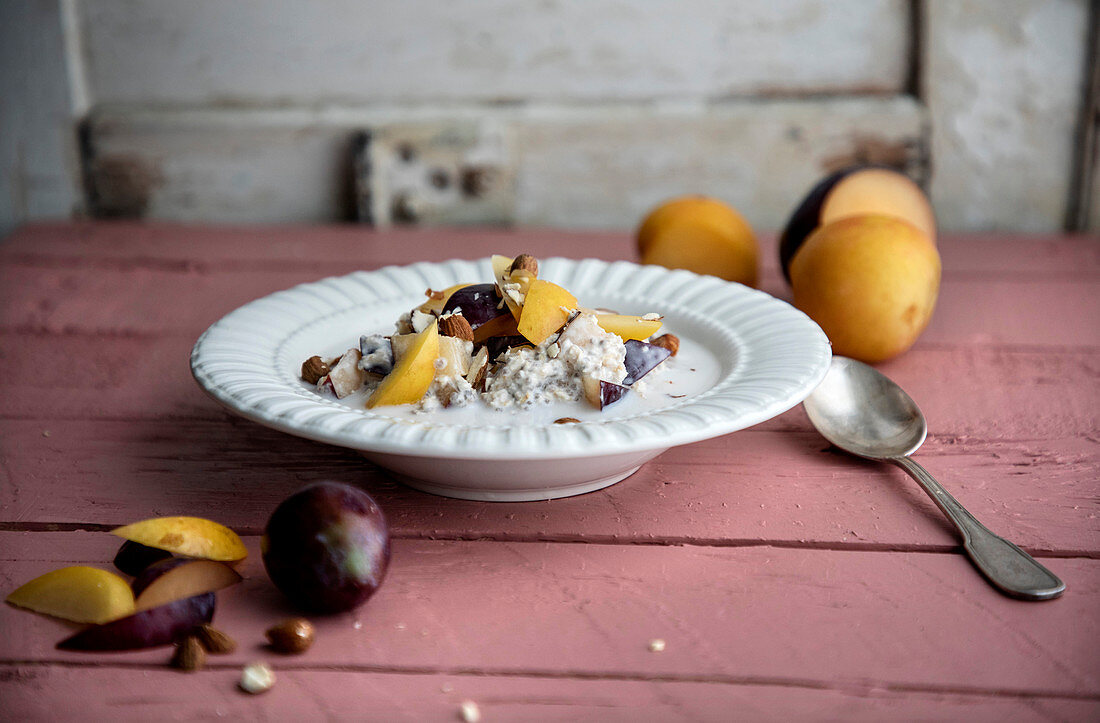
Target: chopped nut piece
{"type": "Point", "coordinates": [346, 377]}
{"type": "Point", "coordinates": [257, 678]}
{"type": "Point", "coordinates": [656, 645]}
{"type": "Point", "coordinates": [214, 640]}
{"type": "Point", "coordinates": [525, 262]}
{"type": "Point", "coordinates": [431, 294]}
{"type": "Point", "coordinates": [420, 321]}
{"type": "Point", "coordinates": [567, 420]}
{"type": "Point", "coordinates": [313, 369]}
{"type": "Point", "coordinates": [291, 636]}
{"type": "Point", "coordinates": [479, 368]}
{"type": "Point", "coordinates": [189, 655]}
{"type": "Point", "coordinates": [469, 711]}
{"type": "Point", "coordinates": [668, 341]}
{"type": "Point", "coordinates": [456, 325]}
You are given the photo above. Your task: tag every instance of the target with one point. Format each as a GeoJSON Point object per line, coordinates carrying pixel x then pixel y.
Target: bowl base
{"type": "Point", "coordinates": [505, 495]}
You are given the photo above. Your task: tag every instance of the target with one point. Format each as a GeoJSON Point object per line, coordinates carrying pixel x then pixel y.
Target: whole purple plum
{"type": "Point", "coordinates": [327, 547]}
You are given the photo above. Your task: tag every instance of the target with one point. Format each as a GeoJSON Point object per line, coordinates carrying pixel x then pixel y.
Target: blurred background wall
{"type": "Point", "coordinates": [562, 113]}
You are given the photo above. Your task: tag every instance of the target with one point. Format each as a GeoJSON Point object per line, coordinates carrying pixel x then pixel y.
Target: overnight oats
{"type": "Point", "coordinates": [518, 343]}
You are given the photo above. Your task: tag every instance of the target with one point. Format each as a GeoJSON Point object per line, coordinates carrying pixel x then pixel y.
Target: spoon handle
{"type": "Point", "coordinates": [1008, 567]}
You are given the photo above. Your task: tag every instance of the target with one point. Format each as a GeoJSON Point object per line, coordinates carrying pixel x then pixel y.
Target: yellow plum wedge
{"type": "Point", "coordinates": [188, 536]}
{"type": "Point", "coordinates": [545, 310]}
{"type": "Point", "coordinates": [413, 373]}
{"type": "Point", "coordinates": [79, 593]}
{"type": "Point", "coordinates": [628, 327]}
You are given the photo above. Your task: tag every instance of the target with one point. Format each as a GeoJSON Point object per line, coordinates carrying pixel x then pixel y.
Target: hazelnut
{"type": "Point", "coordinates": [313, 369]}
{"type": "Point", "coordinates": [668, 341]}
{"type": "Point", "coordinates": [291, 636]}
{"type": "Point", "coordinates": [525, 262]}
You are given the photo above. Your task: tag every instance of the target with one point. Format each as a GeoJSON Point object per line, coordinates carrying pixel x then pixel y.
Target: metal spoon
{"type": "Point", "coordinates": [862, 412]}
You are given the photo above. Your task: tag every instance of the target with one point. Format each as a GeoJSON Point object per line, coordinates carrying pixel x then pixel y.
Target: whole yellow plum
{"type": "Point", "coordinates": [870, 282]}
{"type": "Point", "coordinates": [700, 234]}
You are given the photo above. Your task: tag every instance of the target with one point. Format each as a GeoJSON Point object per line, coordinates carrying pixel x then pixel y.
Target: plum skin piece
{"type": "Point", "coordinates": [641, 358]}
{"type": "Point", "coordinates": [150, 628]}
{"type": "Point", "coordinates": [133, 557]}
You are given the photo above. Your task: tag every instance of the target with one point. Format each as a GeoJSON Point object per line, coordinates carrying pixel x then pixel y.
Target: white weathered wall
{"type": "Point", "coordinates": [1004, 82]}
{"type": "Point", "coordinates": [591, 110]}
{"type": "Point", "coordinates": [38, 165]}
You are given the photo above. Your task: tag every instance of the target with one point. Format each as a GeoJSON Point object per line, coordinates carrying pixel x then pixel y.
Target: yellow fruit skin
{"type": "Point", "coordinates": [413, 373]}
{"type": "Point", "coordinates": [545, 310]}
{"type": "Point", "coordinates": [870, 282]}
{"type": "Point", "coordinates": [187, 536]}
{"type": "Point", "coordinates": [79, 593]}
{"type": "Point", "coordinates": [700, 234]}
{"type": "Point", "coordinates": [628, 327]}
{"type": "Point", "coordinates": [879, 191]}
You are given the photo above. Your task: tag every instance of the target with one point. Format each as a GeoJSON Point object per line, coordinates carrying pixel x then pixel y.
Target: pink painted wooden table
{"type": "Point", "coordinates": [788, 581]}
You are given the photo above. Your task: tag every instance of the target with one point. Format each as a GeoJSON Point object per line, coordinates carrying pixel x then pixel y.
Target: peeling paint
{"type": "Point", "coordinates": [122, 185]}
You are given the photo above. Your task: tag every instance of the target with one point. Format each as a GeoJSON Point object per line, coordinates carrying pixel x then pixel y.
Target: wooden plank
{"type": "Point", "coordinates": [130, 244]}
{"type": "Point", "coordinates": [27, 692]}
{"type": "Point", "coordinates": [731, 490]}
{"type": "Point", "coordinates": [588, 611]}
{"type": "Point", "coordinates": [147, 301]}
{"type": "Point", "coordinates": [335, 249]}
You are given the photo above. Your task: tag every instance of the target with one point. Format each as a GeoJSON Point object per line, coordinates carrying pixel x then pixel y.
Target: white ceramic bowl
{"type": "Point", "coordinates": [751, 357]}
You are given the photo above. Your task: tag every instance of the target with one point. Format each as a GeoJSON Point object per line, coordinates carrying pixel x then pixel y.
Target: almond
{"type": "Point", "coordinates": [313, 369]}
{"type": "Point", "coordinates": [525, 262]}
{"type": "Point", "coordinates": [189, 655]}
{"type": "Point", "coordinates": [668, 341]}
{"type": "Point", "coordinates": [456, 325]}
{"type": "Point", "coordinates": [214, 640]}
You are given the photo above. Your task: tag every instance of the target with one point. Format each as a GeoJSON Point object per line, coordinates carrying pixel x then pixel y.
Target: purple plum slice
{"type": "Point", "coordinates": [178, 579]}
{"type": "Point", "coordinates": [327, 547]}
{"type": "Point", "coordinates": [497, 345]}
{"type": "Point", "coordinates": [133, 557]}
{"type": "Point", "coordinates": [152, 572]}
{"type": "Point", "coordinates": [641, 358]}
{"type": "Point", "coordinates": [610, 392]}
{"type": "Point", "coordinates": [479, 304]}
{"type": "Point", "coordinates": [150, 628]}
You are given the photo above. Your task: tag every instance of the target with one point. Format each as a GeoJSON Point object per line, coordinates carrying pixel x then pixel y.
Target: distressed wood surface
{"type": "Point", "coordinates": [126, 693]}
{"type": "Point", "coordinates": [788, 580]}
{"type": "Point", "coordinates": [1041, 493]}
{"type": "Point", "coordinates": [589, 611]}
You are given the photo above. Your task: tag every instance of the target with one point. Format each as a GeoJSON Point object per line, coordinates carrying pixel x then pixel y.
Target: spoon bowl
{"type": "Point", "coordinates": [863, 412]}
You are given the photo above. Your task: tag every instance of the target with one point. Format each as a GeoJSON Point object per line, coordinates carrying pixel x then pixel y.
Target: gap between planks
{"type": "Point", "coordinates": [861, 686]}
{"type": "Point", "coordinates": [609, 540]}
